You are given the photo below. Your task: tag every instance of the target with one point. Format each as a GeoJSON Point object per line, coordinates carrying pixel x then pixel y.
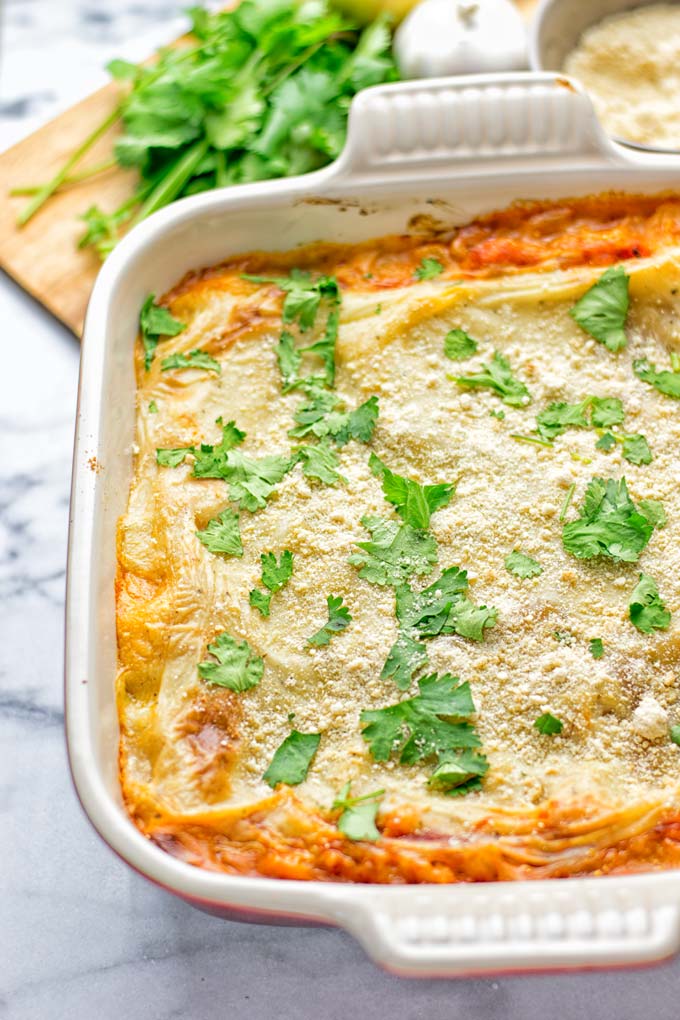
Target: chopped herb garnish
{"type": "Point", "coordinates": [653, 511]}
{"type": "Point", "coordinates": [435, 724]}
{"type": "Point", "coordinates": [596, 647]}
{"type": "Point", "coordinates": [406, 657]}
{"type": "Point", "coordinates": [155, 322]}
{"type": "Point", "coordinates": [237, 666]}
{"type": "Point", "coordinates": [338, 619]}
{"type": "Point", "coordinates": [222, 534]}
{"type": "Point", "coordinates": [548, 724]}
{"type": "Point", "coordinates": [153, 407]}
{"type": "Point", "coordinates": [636, 450]}
{"type": "Point", "coordinates": [303, 295]}
{"type": "Point", "coordinates": [395, 552]}
{"type": "Point", "coordinates": [602, 310]}
{"type": "Point", "coordinates": [320, 418]}
{"type": "Point", "coordinates": [428, 269]}
{"type": "Point", "coordinates": [647, 609]}
{"type": "Point", "coordinates": [292, 759]}
{"type": "Point", "coordinates": [357, 820]}
{"type": "Point", "coordinates": [563, 637]}
{"type": "Point", "coordinates": [289, 360]}
{"type": "Point", "coordinates": [414, 503]}
{"type": "Point", "coordinates": [173, 458]}
{"type": "Point", "coordinates": [530, 439]}
{"type": "Point", "coordinates": [320, 461]}
{"type": "Point", "coordinates": [442, 608]}
{"type": "Point", "coordinates": [599, 412]}
{"type": "Point", "coordinates": [274, 577]}
{"type": "Point", "coordinates": [194, 359]}
{"type": "Point", "coordinates": [459, 345]}
{"type": "Point", "coordinates": [606, 442]}
{"type": "Point", "coordinates": [674, 734]}
{"type": "Point", "coordinates": [251, 482]}
{"type": "Point", "coordinates": [499, 377]}
{"type": "Point", "coordinates": [608, 524]}
{"type": "Point", "coordinates": [521, 565]}
{"type": "Point", "coordinates": [665, 382]}
{"type": "Point", "coordinates": [497, 414]}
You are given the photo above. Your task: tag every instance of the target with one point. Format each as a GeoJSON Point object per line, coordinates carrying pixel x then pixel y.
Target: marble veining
{"type": "Point", "coordinates": [81, 936]}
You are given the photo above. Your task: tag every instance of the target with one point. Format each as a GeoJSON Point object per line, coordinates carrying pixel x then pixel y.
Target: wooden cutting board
{"type": "Point", "coordinates": [43, 256]}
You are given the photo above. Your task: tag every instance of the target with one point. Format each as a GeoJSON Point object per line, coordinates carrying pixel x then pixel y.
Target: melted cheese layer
{"type": "Point", "coordinates": [602, 795]}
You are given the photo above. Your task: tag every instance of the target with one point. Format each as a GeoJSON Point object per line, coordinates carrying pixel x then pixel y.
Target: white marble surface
{"type": "Point", "coordinates": [80, 935]}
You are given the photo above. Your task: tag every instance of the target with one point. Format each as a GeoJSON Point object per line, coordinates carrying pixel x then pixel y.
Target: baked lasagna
{"type": "Point", "coordinates": [399, 575]}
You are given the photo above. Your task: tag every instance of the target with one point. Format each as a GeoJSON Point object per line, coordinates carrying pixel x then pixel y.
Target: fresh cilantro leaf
{"type": "Point", "coordinates": [173, 458]}
{"type": "Point", "coordinates": [674, 734]}
{"type": "Point", "coordinates": [414, 503]}
{"type": "Point", "coordinates": [155, 321]}
{"type": "Point", "coordinates": [636, 450]}
{"type": "Point", "coordinates": [459, 345]}
{"type": "Point", "coordinates": [602, 310]}
{"type": "Point", "coordinates": [605, 411]}
{"type": "Point", "coordinates": [608, 524]}
{"type": "Point", "coordinates": [289, 360]}
{"type": "Point", "coordinates": [460, 773]}
{"type": "Point", "coordinates": [500, 415]}
{"type": "Point", "coordinates": [521, 565]}
{"type": "Point", "coordinates": [432, 725]}
{"type": "Point", "coordinates": [558, 417]}
{"type": "Point", "coordinates": [276, 575]}
{"type": "Point", "coordinates": [237, 666]}
{"type": "Point", "coordinates": [260, 600]}
{"type": "Point", "coordinates": [303, 295]}
{"type": "Point", "coordinates": [320, 418]}
{"type": "Point", "coordinates": [428, 269]}
{"type": "Point", "coordinates": [647, 609]}
{"type": "Point", "coordinates": [251, 482]}
{"type": "Point", "coordinates": [596, 648]}
{"type": "Point", "coordinates": [153, 407]}
{"type": "Point", "coordinates": [443, 608]}
{"type": "Point", "coordinates": [665, 382]}
{"type": "Point", "coordinates": [499, 377]}
{"type": "Point", "coordinates": [311, 417]}
{"type": "Point", "coordinates": [222, 534]}
{"type": "Point", "coordinates": [607, 442]}
{"type": "Point", "coordinates": [357, 820]}
{"type": "Point", "coordinates": [338, 619]}
{"type": "Point", "coordinates": [292, 759]}
{"type": "Point", "coordinates": [405, 658]}
{"type": "Point", "coordinates": [548, 724]}
{"type": "Point", "coordinates": [320, 461]}
{"type": "Point", "coordinates": [653, 511]}
{"type": "Point", "coordinates": [395, 552]}
{"type": "Point", "coordinates": [194, 359]}
{"type": "Point", "coordinates": [211, 460]}
{"type": "Point", "coordinates": [325, 347]}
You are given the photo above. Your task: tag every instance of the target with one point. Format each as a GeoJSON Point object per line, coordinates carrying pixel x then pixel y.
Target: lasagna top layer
{"type": "Point", "coordinates": [457, 410]}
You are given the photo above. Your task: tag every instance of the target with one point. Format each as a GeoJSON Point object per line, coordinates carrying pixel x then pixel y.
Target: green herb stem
{"type": "Point", "coordinates": [171, 185]}
{"type": "Point", "coordinates": [567, 500]}
{"type": "Point", "coordinates": [77, 178]}
{"type": "Point", "coordinates": [48, 189]}
{"type": "Point", "coordinates": [530, 439]}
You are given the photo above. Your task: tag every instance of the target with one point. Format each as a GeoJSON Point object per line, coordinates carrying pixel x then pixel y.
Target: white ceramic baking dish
{"type": "Point", "coordinates": [448, 148]}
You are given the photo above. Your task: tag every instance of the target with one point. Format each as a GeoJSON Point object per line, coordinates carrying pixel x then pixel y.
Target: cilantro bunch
{"type": "Point", "coordinates": [259, 91]}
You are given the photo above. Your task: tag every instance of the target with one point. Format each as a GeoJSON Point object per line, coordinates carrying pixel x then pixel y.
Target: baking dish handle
{"type": "Point", "coordinates": [423, 128]}
{"type": "Point", "coordinates": [472, 929]}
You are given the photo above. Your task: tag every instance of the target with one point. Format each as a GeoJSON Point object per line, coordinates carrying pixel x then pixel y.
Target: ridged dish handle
{"type": "Point", "coordinates": [427, 126]}
{"type": "Point", "coordinates": [469, 929]}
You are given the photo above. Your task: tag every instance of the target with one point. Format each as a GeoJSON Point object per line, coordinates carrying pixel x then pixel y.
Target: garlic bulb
{"type": "Point", "coordinates": [442, 37]}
